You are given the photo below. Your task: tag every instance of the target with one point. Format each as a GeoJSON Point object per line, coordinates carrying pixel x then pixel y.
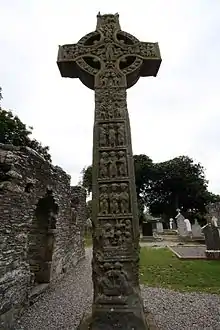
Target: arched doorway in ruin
{"type": "Point", "coordinates": [41, 238]}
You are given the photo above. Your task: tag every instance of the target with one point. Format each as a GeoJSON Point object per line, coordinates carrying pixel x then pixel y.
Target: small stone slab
{"type": "Point", "coordinates": [189, 252]}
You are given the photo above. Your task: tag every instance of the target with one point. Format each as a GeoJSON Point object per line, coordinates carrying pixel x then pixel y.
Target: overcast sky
{"type": "Point", "coordinates": [176, 113]}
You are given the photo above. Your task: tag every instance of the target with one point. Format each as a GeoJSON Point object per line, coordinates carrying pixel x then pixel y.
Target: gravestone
{"type": "Point", "coordinates": [109, 61]}
{"type": "Point", "coordinates": [213, 210]}
{"type": "Point", "coordinates": [197, 230]}
{"type": "Point", "coordinates": [181, 226]}
{"type": "Point", "coordinates": [212, 240]}
{"type": "Point", "coordinates": [159, 227]}
{"type": "Point", "coordinates": [188, 226]}
{"type": "Point", "coordinates": [147, 229]}
{"type": "Point", "coordinates": [171, 221]}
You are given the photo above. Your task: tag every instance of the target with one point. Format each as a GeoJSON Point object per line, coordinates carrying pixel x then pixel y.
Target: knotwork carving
{"type": "Point", "coordinates": [112, 165]}
{"type": "Point", "coordinates": [111, 77]}
{"type": "Point", "coordinates": [115, 109]}
{"type": "Point", "coordinates": [117, 233]}
{"type": "Point", "coordinates": [107, 94]}
{"type": "Point", "coordinates": [119, 54]}
{"type": "Point", "coordinates": [115, 281]}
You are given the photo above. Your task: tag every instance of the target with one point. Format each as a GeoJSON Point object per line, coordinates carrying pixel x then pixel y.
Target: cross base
{"type": "Point", "coordinates": [123, 320]}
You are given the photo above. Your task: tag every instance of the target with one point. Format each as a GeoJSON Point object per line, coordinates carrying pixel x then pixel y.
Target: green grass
{"type": "Point", "coordinates": [161, 268]}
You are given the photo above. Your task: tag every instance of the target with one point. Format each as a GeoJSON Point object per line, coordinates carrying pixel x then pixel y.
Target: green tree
{"type": "Point", "coordinates": [166, 186]}
{"type": "Point", "coordinates": [87, 179]}
{"type": "Point", "coordinates": [89, 209]}
{"type": "Point", "coordinates": [178, 183]}
{"type": "Point", "coordinates": [13, 131]}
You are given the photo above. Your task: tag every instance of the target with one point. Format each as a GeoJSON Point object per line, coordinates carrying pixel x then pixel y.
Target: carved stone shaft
{"type": "Point", "coordinates": [109, 61]}
{"type": "Point", "coordinates": [115, 267]}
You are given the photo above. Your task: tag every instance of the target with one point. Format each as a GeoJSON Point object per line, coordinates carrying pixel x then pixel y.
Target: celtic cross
{"type": "Point", "coordinates": [109, 61]}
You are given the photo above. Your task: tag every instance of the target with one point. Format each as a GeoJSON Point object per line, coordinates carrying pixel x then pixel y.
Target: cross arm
{"type": "Point", "coordinates": [67, 57]}
{"type": "Point", "coordinates": [150, 54]}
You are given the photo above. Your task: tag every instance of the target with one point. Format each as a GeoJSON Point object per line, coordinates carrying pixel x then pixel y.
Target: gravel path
{"type": "Point", "coordinates": [63, 305]}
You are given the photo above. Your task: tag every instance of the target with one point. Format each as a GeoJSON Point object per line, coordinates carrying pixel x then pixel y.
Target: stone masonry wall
{"type": "Point", "coordinates": [41, 226]}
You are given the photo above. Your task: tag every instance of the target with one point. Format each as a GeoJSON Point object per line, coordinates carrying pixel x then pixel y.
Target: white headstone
{"type": "Point", "coordinates": [214, 221]}
{"type": "Point", "coordinates": [171, 223]}
{"type": "Point", "coordinates": [188, 225]}
{"type": "Point", "coordinates": [159, 226]}
{"type": "Point", "coordinates": [181, 226]}
{"type": "Point", "coordinates": [196, 230]}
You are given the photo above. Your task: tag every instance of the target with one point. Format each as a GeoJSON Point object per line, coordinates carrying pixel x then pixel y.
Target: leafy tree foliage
{"type": "Point", "coordinates": [178, 183]}
{"type": "Point", "coordinates": [87, 178]}
{"type": "Point", "coordinates": [89, 209]}
{"type": "Point", "coordinates": [13, 131]}
{"type": "Point", "coordinates": [166, 186]}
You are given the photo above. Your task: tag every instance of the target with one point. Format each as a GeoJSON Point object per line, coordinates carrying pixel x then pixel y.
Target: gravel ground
{"type": "Point", "coordinates": [63, 305]}
{"type": "Point", "coordinates": [183, 311]}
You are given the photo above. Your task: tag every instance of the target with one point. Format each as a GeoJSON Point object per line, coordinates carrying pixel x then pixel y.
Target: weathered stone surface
{"type": "Point", "coordinates": [213, 210]}
{"type": "Point", "coordinates": [110, 61]}
{"type": "Point", "coordinates": [212, 240]}
{"type": "Point", "coordinates": [39, 236]}
{"type": "Point", "coordinates": [181, 225]}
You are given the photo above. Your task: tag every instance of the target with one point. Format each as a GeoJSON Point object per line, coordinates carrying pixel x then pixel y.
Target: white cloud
{"type": "Point", "coordinates": [173, 114]}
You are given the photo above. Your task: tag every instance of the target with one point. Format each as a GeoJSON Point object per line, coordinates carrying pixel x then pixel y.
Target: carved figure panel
{"type": "Point", "coordinates": [103, 133]}
{"type": "Point", "coordinates": [112, 165]}
{"type": "Point", "coordinates": [111, 111]}
{"type": "Point", "coordinates": [109, 95]}
{"type": "Point", "coordinates": [116, 233]}
{"type": "Point", "coordinates": [124, 198]}
{"type": "Point", "coordinates": [114, 199]}
{"type": "Point", "coordinates": [112, 135]}
{"type": "Point", "coordinates": [113, 283]}
{"type": "Point", "coordinates": [104, 200]}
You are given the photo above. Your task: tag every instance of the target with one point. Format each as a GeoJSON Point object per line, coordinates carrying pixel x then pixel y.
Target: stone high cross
{"type": "Point", "coordinates": [109, 61]}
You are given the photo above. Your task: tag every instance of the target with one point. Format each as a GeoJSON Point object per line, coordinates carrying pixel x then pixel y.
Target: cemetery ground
{"type": "Point", "coordinates": [160, 267]}
{"type": "Point", "coordinates": [179, 294]}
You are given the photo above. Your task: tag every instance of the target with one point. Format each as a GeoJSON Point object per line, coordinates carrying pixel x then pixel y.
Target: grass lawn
{"type": "Point", "coordinates": [161, 268]}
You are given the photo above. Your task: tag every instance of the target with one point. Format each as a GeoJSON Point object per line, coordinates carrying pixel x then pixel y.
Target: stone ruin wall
{"type": "Point", "coordinates": [41, 226]}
